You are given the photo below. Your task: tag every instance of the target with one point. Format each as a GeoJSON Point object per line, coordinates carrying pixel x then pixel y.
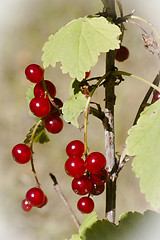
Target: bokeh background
{"type": "Point", "coordinates": [24, 28]}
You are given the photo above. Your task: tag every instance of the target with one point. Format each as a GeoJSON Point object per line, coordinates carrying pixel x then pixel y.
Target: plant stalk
{"type": "Point", "coordinates": [109, 126]}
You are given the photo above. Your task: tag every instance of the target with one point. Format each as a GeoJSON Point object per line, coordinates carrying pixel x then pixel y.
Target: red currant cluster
{"type": "Point", "coordinates": [89, 175]}
{"type": "Point", "coordinates": [44, 105]}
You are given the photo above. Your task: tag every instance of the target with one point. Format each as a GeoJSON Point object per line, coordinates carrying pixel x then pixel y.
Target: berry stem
{"type": "Point", "coordinates": [145, 21]}
{"type": "Point", "coordinates": [31, 147]}
{"type": "Point", "coordinates": [60, 193]}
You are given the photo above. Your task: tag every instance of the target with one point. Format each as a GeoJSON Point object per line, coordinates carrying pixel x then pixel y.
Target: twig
{"type": "Point", "coordinates": [59, 191]}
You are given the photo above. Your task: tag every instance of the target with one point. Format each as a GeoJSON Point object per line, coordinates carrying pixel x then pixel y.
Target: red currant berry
{"type": "Point", "coordinates": [53, 123]}
{"type": "Point", "coordinates": [34, 73]}
{"type": "Point", "coordinates": [122, 54]}
{"type": "Point", "coordinates": [26, 206]}
{"type": "Point", "coordinates": [21, 153]}
{"type": "Point", "coordinates": [85, 205]}
{"type": "Point", "coordinates": [40, 107]}
{"type": "Point", "coordinates": [97, 189]}
{"type": "Point", "coordinates": [87, 74]}
{"type": "Point", "coordinates": [44, 203]}
{"type": "Point", "coordinates": [40, 92]}
{"type": "Point", "coordinates": [95, 161]}
{"type": "Point", "coordinates": [75, 167]}
{"type": "Point", "coordinates": [81, 185]}
{"type": "Point", "coordinates": [35, 196]}
{"type": "Point", "coordinates": [75, 148]}
{"type": "Point", "coordinates": [99, 178]}
{"type": "Point", "coordinates": [58, 102]}
{"type": "Point", "coordinates": [156, 96]}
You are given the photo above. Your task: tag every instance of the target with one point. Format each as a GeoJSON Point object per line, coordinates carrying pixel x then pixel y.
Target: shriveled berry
{"type": "Point", "coordinates": [58, 102]}
{"type": "Point", "coordinates": [122, 54]}
{"type": "Point", "coordinates": [94, 162]}
{"type": "Point", "coordinates": [82, 185]}
{"type": "Point", "coordinates": [21, 153]}
{"type": "Point", "coordinates": [35, 197]}
{"type": "Point", "coordinates": [40, 92]}
{"type": "Point", "coordinates": [53, 123]}
{"type": "Point", "coordinates": [97, 189]}
{"type": "Point", "coordinates": [75, 167]}
{"type": "Point", "coordinates": [40, 107]}
{"type": "Point", "coordinates": [75, 148]}
{"type": "Point", "coordinates": [34, 73]}
{"type": "Point", "coordinates": [87, 74]}
{"type": "Point", "coordinates": [85, 205]}
{"type": "Point", "coordinates": [26, 206]}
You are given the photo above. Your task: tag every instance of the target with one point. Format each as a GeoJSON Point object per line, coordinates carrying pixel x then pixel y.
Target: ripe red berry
{"type": "Point", "coordinates": [40, 92]}
{"type": "Point", "coordinates": [26, 206]}
{"type": "Point", "coordinates": [99, 178]}
{"type": "Point", "coordinates": [53, 123]}
{"type": "Point", "coordinates": [34, 73]}
{"type": "Point", "coordinates": [44, 203]}
{"type": "Point", "coordinates": [97, 189]}
{"type": "Point", "coordinates": [40, 107]}
{"type": "Point", "coordinates": [87, 74]}
{"type": "Point", "coordinates": [35, 196]}
{"type": "Point", "coordinates": [122, 54]}
{"type": "Point", "coordinates": [21, 153]}
{"type": "Point", "coordinates": [85, 205]}
{"type": "Point", "coordinates": [156, 96]}
{"type": "Point", "coordinates": [82, 185]}
{"type": "Point", "coordinates": [95, 161]}
{"type": "Point", "coordinates": [75, 167]}
{"type": "Point", "coordinates": [75, 148]}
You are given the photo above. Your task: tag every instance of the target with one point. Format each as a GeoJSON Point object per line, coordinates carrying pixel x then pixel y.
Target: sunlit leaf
{"type": "Point", "coordinates": [143, 142]}
{"type": "Point", "coordinates": [78, 44]}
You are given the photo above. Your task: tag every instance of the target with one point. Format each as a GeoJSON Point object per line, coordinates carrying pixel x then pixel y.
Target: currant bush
{"type": "Point", "coordinates": [99, 178]}
{"type": "Point", "coordinates": [26, 205]}
{"type": "Point", "coordinates": [97, 189]}
{"type": "Point", "coordinates": [82, 185]}
{"type": "Point", "coordinates": [35, 196]}
{"type": "Point", "coordinates": [40, 107]}
{"type": "Point", "coordinates": [53, 123]}
{"type": "Point", "coordinates": [39, 90]}
{"type": "Point", "coordinates": [75, 167]}
{"type": "Point", "coordinates": [85, 205]}
{"type": "Point", "coordinates": [156, 96]}
{"type": "Point", "coordinates": [94, 162]}
{"type": "Point", "coordinates": [122, 54]}
{"type": "Point", "coordinates": [75, 148]}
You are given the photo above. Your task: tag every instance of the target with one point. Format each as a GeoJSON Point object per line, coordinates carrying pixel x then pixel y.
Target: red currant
{"type": "Point", "coordinates": [53, 123]}
{"type": "Point", "coordinates": [26, 206]}
{"type": "Point", "coordinates": [75, 148]}
{"type": "Point", "coordinates": [75, 167]}
{"type": "Point", "coordinates": [40, 92]}
{"type": "Point", "coordinates": [87, 74]}
{"type": "Point", "coordinates": [156, 96]}
{"type": "Point", "coordinates": [97, 189]}
{"type": "Point", "coordinates": [21, 153]}
{"type": "Point", "coordinates": [81, 185]}
{"type": "Point", "coordinates": [85, 205]}
{"type": "Point", "coordinates": [40, 107]}
{"type": "Point", "coordinates": [44, 203]}
{"type": "Point", "coordinates": [34, 73]}
{"type": "Point", "coordinates": [99, 178]}
{"type": "Point", "coordinates": [95, 161]}
{"type": "Point", "coordinates": [122, 54]}
{"type": "Point", "coordinates": [35, 196]}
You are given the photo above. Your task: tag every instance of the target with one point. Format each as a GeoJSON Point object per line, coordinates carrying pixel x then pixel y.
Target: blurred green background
{"type": "Point", "coordinates": [24, 28]}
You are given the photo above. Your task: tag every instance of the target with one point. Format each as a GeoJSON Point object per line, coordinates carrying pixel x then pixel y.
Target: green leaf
{"type": "Point", "coordinates": [73, 107]}
{"type": "Point", "coordinates": [144, 142]}
{"type": "Point", "coordinates": [78, 44]}
{"type": "Point", "coordinates": [30, 93]}
{"type": "Point", "coordinates": [40, 135]}
{"type": "Point", "coordinates": [133, 226]}
{"type": "Point", "coordinates": [87, 222]}
{"type": "Point", "coordinates": [75, 237]}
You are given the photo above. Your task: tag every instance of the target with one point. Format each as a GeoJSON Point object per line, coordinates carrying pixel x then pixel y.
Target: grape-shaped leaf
{"type": "Point", "coordinates": [144, 142]}
{"type": "Point", "coordinates": [87, 222]}
{"type": "Point", "coordinates": [78, 44]}
{"type": "Point", "coordinates": [73, 107]}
